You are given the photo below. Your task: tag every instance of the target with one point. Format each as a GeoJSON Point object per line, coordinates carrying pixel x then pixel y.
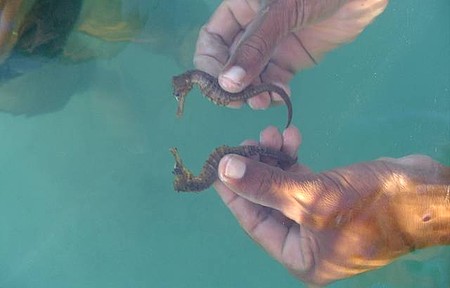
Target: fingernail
{"type": "Point", "coordinates": [231, 80]}
{"type": "Point", "coordinates": [234, 167]}
{"type": "Point", "coordinates": [259, 102]}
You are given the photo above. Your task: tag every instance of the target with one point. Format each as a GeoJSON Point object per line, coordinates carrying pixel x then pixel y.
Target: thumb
{"type": "Point", "coordinates": [253, 51]}
{"type": "Point", "coordinates": [261, 184]}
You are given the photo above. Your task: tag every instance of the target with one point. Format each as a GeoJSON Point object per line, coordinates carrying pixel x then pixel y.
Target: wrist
{"type": "Point", "coordinates": [423, 215]}
{"type": "Point", "coordinates": [420, 202]}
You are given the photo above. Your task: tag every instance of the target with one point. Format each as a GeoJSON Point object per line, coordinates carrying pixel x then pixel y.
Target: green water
{"type": "Point", "coordinates": [85, 192]}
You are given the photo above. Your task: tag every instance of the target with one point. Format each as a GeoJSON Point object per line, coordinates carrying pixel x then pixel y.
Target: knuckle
{"type": "Point", "coordinates": [253, 50]}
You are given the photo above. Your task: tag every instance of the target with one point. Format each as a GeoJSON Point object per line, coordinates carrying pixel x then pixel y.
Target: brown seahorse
{"type": "Point", "coordinates": [185, 181]}
{"type": "Point", "coordinates": [211, 89]}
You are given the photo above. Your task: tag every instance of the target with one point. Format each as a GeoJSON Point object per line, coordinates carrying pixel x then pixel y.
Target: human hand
{"type": "Point", "coordinates": [254, 41]}
{"type": "Point", "coordinates": [332, 225]}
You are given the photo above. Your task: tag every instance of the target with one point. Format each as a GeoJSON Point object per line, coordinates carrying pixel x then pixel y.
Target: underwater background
{"type": "Point", "coordinates": [86, 197]}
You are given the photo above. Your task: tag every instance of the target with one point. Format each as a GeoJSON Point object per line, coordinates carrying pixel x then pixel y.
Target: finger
{"type": "Point", "coordinates": [261, 101]}
{"type": "Point", "coordinates": [225, 193]}
{"type": "Point", "coordinates": [248, 214]}
{"type": "Point", "coordinates": [274, 232]}
{"type": "Point", "coordinates": [292, 139]}
{"type": "Point", "coordinates": [256, 46]}
{"type": "Point", "coordinates": [288, 142]}
{"type": "Point", "coordinates": [277, 75]}
{"type": "Point", "coordinates": [270, 137]}
{"type": "Point", "coordinates": [260, 183]}
{"type": "Point", "coordinates": [231, 17]}
{"type": "Point", "coordinates": [216, 38]}
{"type": "Point", "coordinates": [211, 52]}
{"type": "Point", "coordinates": [307, 199]}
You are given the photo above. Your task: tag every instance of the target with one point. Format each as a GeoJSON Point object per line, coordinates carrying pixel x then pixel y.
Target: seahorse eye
{"type": "Point", "coordinates": [177, 170]}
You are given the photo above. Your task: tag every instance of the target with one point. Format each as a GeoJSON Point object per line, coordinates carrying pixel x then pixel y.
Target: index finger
{"type": "Point", "coordinates": [217, 37]}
